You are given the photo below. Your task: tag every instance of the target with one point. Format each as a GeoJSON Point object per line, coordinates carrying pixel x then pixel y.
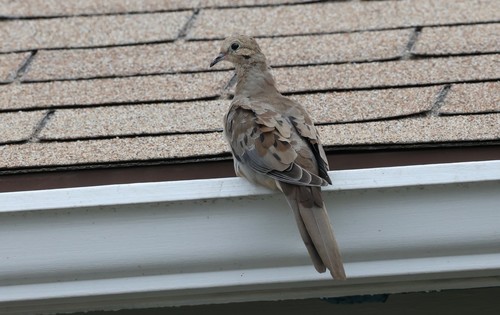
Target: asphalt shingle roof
{"type": "Point", "coordinates": [96, 82]}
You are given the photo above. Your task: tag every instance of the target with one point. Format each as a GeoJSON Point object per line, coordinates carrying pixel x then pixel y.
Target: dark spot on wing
{"type": "Point", "coordinates": [262, 137]}
{"type": "Point", "coordinates": [254, 131]}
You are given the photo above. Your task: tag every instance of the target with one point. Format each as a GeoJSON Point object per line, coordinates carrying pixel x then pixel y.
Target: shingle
{"type": "Point", "coordinates": [136, 120]}
{"type": "Point", "coordinates": [36, 8]}
{"type": "Point", "coordinates": [458, 39]}
{"type": "Point", "coordinates": [203, 85]}
{"type": "Point", "coordinates": [472, 98]}
{"type": "Point", "coordinates": [91, 31]}
{"type": "Point", "coordinates": [407, 131]}
{"type": "Point", "coordinates": [111, 150]}
{"type": "Point", "coordinates": [393, 73]}
{"type": "Point", "coordinates": [195, 56]}
{"type": "Point", "coordinates": [341, 16]}
{"type": "Point", "coordinates": [27, 8]}
{"type": "Point", "coordinates": [121, 61]}
{"type": "Point", "coordinates": [239, 3]}
{"type": "Point", "coordinates": [19, 126]}
{"type": "Point", "coordinates": [414, 130]}
{"type": "Point", "coordinates": [9, 64]}
{"type": "Point", "coordinates": [207, 115]}
{"type": "Point", "coordinates": [309, 49]}
{"type": "Point", "coordinates": [118, 90]}
{"type": "Point", "coordinates": [335, 107]}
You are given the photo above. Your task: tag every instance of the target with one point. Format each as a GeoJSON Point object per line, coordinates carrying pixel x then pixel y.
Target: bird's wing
{"type": "Point", "coordinates": [275, 144]}
{"type": "Point", "coordinates": [305, 127]}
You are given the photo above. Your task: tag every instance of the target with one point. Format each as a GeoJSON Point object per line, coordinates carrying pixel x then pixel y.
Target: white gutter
{"type": "Point", "coordinates": [401, 229]}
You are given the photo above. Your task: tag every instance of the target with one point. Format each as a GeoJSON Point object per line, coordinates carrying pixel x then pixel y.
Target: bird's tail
{"type": "Point", "coordinates": [315, 228]}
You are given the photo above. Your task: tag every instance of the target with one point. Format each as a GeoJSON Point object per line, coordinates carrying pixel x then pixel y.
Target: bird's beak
{"type": "Point", "coordinates": [220, 57]}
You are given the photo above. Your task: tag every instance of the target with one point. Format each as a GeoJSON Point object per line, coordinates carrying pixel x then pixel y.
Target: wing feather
{"type": "Point", "coordinates": [270, 143]}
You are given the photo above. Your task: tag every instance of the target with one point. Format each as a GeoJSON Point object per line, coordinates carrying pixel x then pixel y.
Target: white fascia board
{"type": "Point", "coordinates": [401, 229]}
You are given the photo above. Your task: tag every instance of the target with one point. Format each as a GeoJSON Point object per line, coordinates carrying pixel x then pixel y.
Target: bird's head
{"type": "Point", "coordinates": [240, 50]}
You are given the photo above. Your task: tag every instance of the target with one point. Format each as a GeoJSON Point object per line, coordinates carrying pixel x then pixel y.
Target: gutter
{"type": "Point", "coordinates": [401, 229]}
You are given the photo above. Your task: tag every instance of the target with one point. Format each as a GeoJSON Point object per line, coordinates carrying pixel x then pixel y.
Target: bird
{"type": "Point", "coordinates": [275, 144]}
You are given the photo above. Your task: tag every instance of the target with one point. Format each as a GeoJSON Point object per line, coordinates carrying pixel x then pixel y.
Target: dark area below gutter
{"type": "Point", "coordinates": [339, 160]}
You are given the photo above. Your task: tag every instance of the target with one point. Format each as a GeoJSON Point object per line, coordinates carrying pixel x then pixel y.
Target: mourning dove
{"type": "Point", "coordinates": [275, 144]}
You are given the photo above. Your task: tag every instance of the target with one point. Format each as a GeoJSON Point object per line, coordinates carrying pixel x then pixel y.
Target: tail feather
{"type": "Point", "coordinates": [313, 253]}
{"type": "Point", "coordinates": [314, 226]}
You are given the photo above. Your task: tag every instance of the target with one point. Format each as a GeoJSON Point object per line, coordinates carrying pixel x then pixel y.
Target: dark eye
{"type": "Point", "coordinates": [235, 46]}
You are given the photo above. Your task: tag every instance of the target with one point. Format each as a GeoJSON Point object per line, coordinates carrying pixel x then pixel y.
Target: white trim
{"type": "Point", "coordinates": [401, 229]}
{"type": "Point", "coordinates": [123, 194]}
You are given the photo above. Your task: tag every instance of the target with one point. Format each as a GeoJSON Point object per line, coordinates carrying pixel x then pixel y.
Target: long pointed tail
{"type": "Point", "coordinates": [315, 228]}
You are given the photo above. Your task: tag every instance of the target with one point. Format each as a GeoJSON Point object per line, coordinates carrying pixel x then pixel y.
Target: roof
{"type": "Point", "coordinates": [96, 82]}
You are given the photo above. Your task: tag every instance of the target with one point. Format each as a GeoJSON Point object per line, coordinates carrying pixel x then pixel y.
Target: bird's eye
{"type": "Point", "coordinates": [235, 46]}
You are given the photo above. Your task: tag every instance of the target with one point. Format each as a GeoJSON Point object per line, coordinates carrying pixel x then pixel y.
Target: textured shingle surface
{"type": "Point", "coordinates": [337, 107]}
{"type": "Point", "coordinates": [196, 56]}
{"type": "Point", "coordinates": [128, 81]}
{"type": "Point", "coordinates": [121, 61]}
{"type": "Point", "coordinates": [473, 98]}
{"type": "Point", "coordinates": [392, 73]}
{"type": "Point", "coordinates": [341, 16]}
{"type": "Point", "coordinates": [19, 126]}
{"type": "Point", "coordinates": [91, 30]}
{"type": "Point", "coordinates": [34, 8]}
{"type": "Point", "coordinates": [120, 90]}
{"type": "Point", "coordinates": [414, 130]}
{"type": "Point", "coordinates": [459, 39]}
{"type": "Point", "coordinates": [454, 128]}
{"type": "Point", "coordinates": [111, 150]}
{"type": "Point", "coordinates": [207, 115]}
{"type": "Point", "coordinates": [331, 48]}
{"type": "Point", "coordinates": [135, 120]}
{"type": "Point", "coordinates": [30, 8]}
{"type": "Point", "coordinates": [10, 64]}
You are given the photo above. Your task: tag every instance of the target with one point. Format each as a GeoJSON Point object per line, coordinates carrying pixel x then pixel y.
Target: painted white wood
{"type": "Point", "coordinates": [400, 229]}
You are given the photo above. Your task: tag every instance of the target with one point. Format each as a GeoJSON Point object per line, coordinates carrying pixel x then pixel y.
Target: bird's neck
{"type": "Point", "coordinates": [254, 79]}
